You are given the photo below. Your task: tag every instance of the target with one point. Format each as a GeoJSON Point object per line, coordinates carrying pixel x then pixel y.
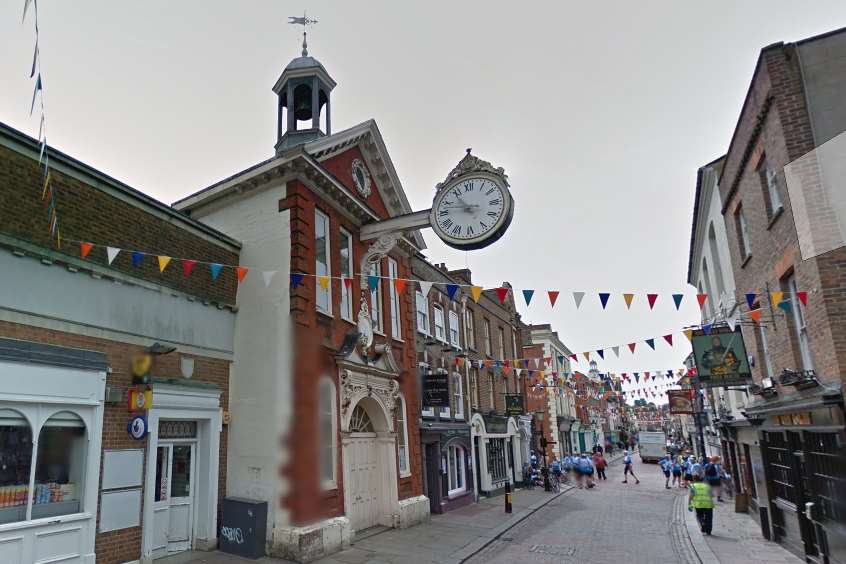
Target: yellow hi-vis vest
{"type": "Point", "coordinates": [701, 496]}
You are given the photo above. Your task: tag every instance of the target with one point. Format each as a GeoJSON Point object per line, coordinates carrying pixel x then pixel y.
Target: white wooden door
{"type": "Point", "coordinates": [365, 476]}
{"type": "Point", "coordinates": [173, 509]}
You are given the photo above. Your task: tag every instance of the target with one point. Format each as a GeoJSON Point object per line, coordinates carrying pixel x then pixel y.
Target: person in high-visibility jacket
{"type": "Point", "coordinates": [701, 500]}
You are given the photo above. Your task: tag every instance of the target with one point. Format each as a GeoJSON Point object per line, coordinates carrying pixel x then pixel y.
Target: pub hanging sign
{"type": "Point", "coordinates": [436, 389]}
{"type": "Point", "coordinates": [514, 404]}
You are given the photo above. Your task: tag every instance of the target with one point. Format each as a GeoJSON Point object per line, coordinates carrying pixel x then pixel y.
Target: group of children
{"type": "Point", "coordinates": [683, 470]}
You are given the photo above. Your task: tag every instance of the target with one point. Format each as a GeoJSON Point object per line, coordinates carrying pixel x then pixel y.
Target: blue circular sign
{"type": "Point", "coordinates": [137, 427]}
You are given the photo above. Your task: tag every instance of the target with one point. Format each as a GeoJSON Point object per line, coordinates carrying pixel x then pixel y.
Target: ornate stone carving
{"type": "Point", "coordinates": [355, 386]}
{"type": "Point", "coordinates": [379, 249]}
{"type": "Point", "coordinates": [471, 164]}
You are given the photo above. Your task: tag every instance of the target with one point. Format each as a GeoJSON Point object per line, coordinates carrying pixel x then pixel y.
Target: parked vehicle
{"type": "Point", "coordinates": [652, 445]}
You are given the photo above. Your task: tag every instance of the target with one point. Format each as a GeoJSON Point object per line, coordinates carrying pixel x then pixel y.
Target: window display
{"type": "Point", "coordinates": [15, 464]}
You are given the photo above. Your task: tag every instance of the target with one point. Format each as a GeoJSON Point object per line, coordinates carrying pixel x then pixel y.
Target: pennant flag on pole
{"type": "Point", "coordinates": [689, 334]}
{"type": "Point", "coordinates": [527, 295]}
{"type": "Point", "coordinates": [268, 277]}
{"type": "Point", "coordinates": [215, 269]}
{"type": "Point", "coordinates": [669, 339]}
{"type": "Point", "coordinates": [553, 296]}
{"type": "Point", "coordinates": [451, 290]}
{"type": "Point", "coordinates": [616, 351]}
{"type": "Point", "coordinates": [707, 328]}
{"type": "Point", "coordinates": [136, 258]}
{"type": "Point", "coordinates": [476, 292]}
{"type": "Point", "coordinates": [84, 249]}
{"type": "Point", "coordinates": [502, 293]}
{"type": "Point", "coordinates": [628, 299]}
{"type": "Point", "coordinates": [373, 282]}
{"type": "Point", "coordinates": [651, 343]}
{"type": "Point", "coordinates": [187, 266]}
{"type": "Point", "coordinates": [755, 314]}
{"type": "Point", "coordinates": [701, 299]}
{"type": "Point", "coordinates": [425, 287]}
{"type": "Point", "coordinates": [803, 297]}
{"type": "Point", "coordinates": [163, 262]}
{"type": "Point", "coordinates": [632, 347]}
{"type": "Point", "coordinates": [577, 297]}
{"type": "Point", "coordinates": [677, 299]}
{"type": "Point", "coordinates": [603, 298]}
{"type": "Point", "coordinates": [651, 299]}
{"type": "Point", "coordinates": [323, 281]}
{"type": "Point", "coordinates": [399, 284]}
{"type": "Point", "coordinates": [777, 297]}
{"type": "Point", "coordinates": [111, 253]}
{"type": "Point", "coordinates": [296, 278]}
{"type": "Point", "coordinates": [750, 299]}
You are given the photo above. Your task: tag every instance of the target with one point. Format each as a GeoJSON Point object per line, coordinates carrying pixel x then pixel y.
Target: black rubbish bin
{"type": "Point", "coordinates": [243, 527]}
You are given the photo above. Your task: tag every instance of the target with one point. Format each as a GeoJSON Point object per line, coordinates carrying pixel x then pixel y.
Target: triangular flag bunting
{"type": "Point", "coordinates": [628, 299]}
{"type": "Point", "coordinates": [632, 347]}
{"type": "Point", "coordinates": [323, 281]}
{"type": "Point", "coordinates": [651, 343]}
{"type": "Point", "coordinates": [732, 323]}
{"type": "Point", "coordinates": [785, 305]}
{"type": "Point", "coordinates": [451, 290]}
{"type": "Point", "coordinates": [777, 297]}
{"type": "Point", "coordinates": [215, 269]}
{"type": "Point", "coordinates": [574, 357]}
{"type": "Point", "coordinates": [296, 278]}
{"type": "Point", "coordinates": [603, 298]}
{"type": "Point", "coordinates": [348, 283]}
{"type": "Point", "coordinates": [701, 299]}
{"type": "Point", "coordinates": [586, 355]}
{"type": "Point", "coordinates": [399, 284]}
{"type": "Point", "coordinates": [577, 297]}
{"type": "Point", "coordinates": [502, 293]}
{"type": "Point", "coordinates": [84, 249]}
{"type": "Point", "coordinates": [163, 262]}
{"type": "Point", "coordinates": [677, 299]}
{"type": "Point", "coordinates": [241, 273]}
{"type": "Point", "coordinates": [616, 351]}
{"type": "Point", "coordinates": [750, 299]}
{"type": "Point", "coordinates": [187, 265]}
{"type": "Point", "coordinates": [707, 328]}
{"type": "Point", "coordinates": [601, 353]}
{"type": "Point", "coordinates": [651, 299]}
{"type": "Point", "coordinates": [136, 258]}
{"type": "Point", "coordinates": [669, 339]}
{"type": "Point", "coordinates": [803, 297]}
{"type": "Point", "coordinates": [373, 282]}
{"type": "Point", "coordinates": [111, 253]}
{"type": "Point", "coordinates": [689, 334]}
{"type": "Point", "coordinates": [755, 314]}
{"type": "Point", "coordinates": [424, 287]}
{"type": "Point", "coordinates": [476, 292]}
{"type": "Point", "coordinates": [637, 378]}
{"type": "Point", "coordinates": [527, 295]}
{"type": "Point", "coordinates": [268, 277]}
{"type": "Point", "coordinates": [553, 296]}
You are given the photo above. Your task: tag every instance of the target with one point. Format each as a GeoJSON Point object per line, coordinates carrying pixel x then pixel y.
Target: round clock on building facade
{"type": "Point", "coordinates": [472, 207]}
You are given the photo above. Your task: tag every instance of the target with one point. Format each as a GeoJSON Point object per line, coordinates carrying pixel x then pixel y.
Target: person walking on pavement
{"type": "Point", "coordinates": [587, 464]}
{"type": "Point", "coordinates": [627, 469]}
{"type": "Point", "coordinates": [568, 467]}
{"type": "Point", "coordinates": [600, 463]}
{"type": "Point", "coordinates": [713, 475]}
{"type": "Point", "coordinates": [666, 467]}
{"type": "Point", "coordinates": [701, 500]}
{"type": "Point", "coordinates": [697, 467]}
{"type": "Point", "coordinates": [677, 472]}
{"type": "Point", "coordinates": [556, 470]}
{"type": "Point", "coordinates": [686, 468]}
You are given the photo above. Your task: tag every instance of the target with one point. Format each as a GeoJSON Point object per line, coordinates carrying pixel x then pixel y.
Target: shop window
{"type": "Point", "coordinates": [327, 427]}
{"type": "Point", "coordinates": [402, 438]}
{"type": "Point", "coordinates": [496, 459]}
{"type": "Point", "coordinates": [15, 465]}
{"type": "Point", "coordinates": [162, 466]}
{"type": "Point", "coordinates": [456, 468]}
{"type": "Point", "coordinates": [180, 479]}
{"type": "Point", "coordinates": [60, 466]}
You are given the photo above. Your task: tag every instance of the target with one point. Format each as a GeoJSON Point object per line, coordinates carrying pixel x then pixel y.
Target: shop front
{"type": "Point", "coordinates": [51, 421]}
{"type": "Point", "coordinates": [448, 466]}
{"type": "Point", "coordinates": [496, 452]}
{"type": "Point", "coordinates": [564, 425]}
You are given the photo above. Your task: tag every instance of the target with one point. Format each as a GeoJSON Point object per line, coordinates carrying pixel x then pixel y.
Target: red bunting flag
{"type": "Point", "coordinates": [348, 283]}
{"type": "Point", "coordinates": [632, 347]}
{"type": "Point", "coordinates": [669, 339]}
{"type": "Point", "coordinates": [701, 299]}
{"type": "Point", "coordinates": [399, 284]}
{"type": "Point", "coordinates": [553, 295]}
{"type": "Point", "coordinates": [803, 297]}
{"type": "Point", "coordinates": [187, 265]}
{"type": "Point", "coordinates": [502, 293]}
{"type": "Point", "coordinates": [84, 249]}
{"type": "Point", "coordinates": [574, 357]}
{"type": "Point", "coordinates": [241, 272]}
{"type": "Point", "coordinates": [651, 299]}
{"type": "Point", "coordinates": [755, 314]}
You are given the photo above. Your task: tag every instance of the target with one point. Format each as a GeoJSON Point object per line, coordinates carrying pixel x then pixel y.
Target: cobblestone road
{"type": "Point", "coordinates": [611, 523]}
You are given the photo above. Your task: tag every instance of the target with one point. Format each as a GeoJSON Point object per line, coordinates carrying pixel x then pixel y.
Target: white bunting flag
{"type": "Point", "coordinates": [111, 253]}
{"type": "Point", "coordinates": [517, 371]}
{"type": "Point", "coordinates": [732, 322]}
{"type": "Point", "coordinates": [268, 277]}
{"type": "Point", "coordinates": [616, 351]}
{"type": "Point", "coordinates": [425, 287]}
{"type": "Point", "coordinates": [577, 297]}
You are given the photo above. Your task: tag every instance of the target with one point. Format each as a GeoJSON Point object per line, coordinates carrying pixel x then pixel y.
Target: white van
{"type": "Point", "coordinates": [652, 445]}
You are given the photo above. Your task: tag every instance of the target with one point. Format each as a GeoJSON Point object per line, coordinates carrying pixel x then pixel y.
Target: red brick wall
{"type": "Point", "coordinates": [125, 544]}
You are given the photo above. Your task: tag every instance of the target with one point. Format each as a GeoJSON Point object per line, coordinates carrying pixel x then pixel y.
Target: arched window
{"type": "Point", "coordinates": [60, 466]}
{"type": "Point", "coordinates": [456, 469]}
{"type": "Point", "coordinates": [715, 259]}
{"type": "Point", "coordinates": [15, 464]}
{"type": "Point", "coordinates": [402, 438]}
{"type": "Point", "coordinates": [360, 421]}
{"type": "Point", "coordinates": [327, 425]}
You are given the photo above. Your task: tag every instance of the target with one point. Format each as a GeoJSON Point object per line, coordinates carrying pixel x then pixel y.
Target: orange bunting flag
{"type": "Point", "coordinates": [669, 339]}
{"type": "Point", "coordinates": [502, 293]}
{"type": "Point", "coordinates": [399, 284]}
{"type": "Point", "coordinates": [689, 334]}
{"type": "Point", "coordinates": [586, 355]}
{"type": "Point", "coordinates": [241, 273]}
{"type": "Point", "coordinates": [701, 299]}
{"type": "Point", "coordinates": [476, 292]}
{"type": "Point", "coordinates": [628, 299]}
{"type": "Point", "coordinates": [163, 262]}
{"type": "Point", "coordinates": [84, 249]}
{"type": "Point", "coordinates": [553, 296]}
{"type": "Point", "coordinates": [755, 314]}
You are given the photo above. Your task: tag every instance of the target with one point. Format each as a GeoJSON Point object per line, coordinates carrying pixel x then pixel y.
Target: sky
{"type": "Point", "coordinates": [600, 113]}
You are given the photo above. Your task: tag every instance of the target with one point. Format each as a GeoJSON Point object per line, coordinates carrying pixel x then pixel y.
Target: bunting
{"type": "Point", "coordinates": [502, 293]}
{"type": "Point", "coordinates": [578, 297]}
{"type": "Point", "coordinates": [553, 297]}
{"type": "Point", "coordinates": [628, 299]}
{"type": "Point", "coordinates": [475, 291]}
{"type": "Point", "coordinates": [651, 298]}
{"type": "Point", "coordinates": [603, 298]}
{"type": "Point", "coordinates": [677, 299]}
{"type": "Point", "coordinates": [451, 290]}
{"type": "Point", "coordinates": [527, 296]}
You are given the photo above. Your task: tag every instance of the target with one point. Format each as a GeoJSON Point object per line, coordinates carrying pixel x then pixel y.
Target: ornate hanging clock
{"type": "Point", "coordinates": [473, 206]}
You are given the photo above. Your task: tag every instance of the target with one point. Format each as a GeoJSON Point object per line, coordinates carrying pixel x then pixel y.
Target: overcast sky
{"type": "Point", "coordinates": [600, 113]}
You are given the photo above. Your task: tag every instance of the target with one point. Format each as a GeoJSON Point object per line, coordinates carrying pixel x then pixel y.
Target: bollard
{"type": "Point", "coordinates": [507, 497]}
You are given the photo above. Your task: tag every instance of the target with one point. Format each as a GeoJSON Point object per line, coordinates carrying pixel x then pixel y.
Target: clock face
{"type": "Point", "coordinates": [472, 212]}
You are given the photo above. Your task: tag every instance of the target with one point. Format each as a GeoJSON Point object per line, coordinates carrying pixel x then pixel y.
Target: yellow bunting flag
{"type": "Point", "coordinates": [324, 282]}
{"type": "Point", "coordinates": [46, 183]}
{"type": "Point", "coordinates": [628, 299]}
{"type": "Point", "coordinates": [476, 292]}
{"type": "Point", "coordinates": [689, 334]}
{"type": "Point", "coordinates": [777, 297]}
{"type": "Point", "coordinates": [163, 262]}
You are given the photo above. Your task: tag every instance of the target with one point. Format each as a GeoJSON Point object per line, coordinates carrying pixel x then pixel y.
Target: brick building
{"type": "Point", "coordinates": [325, 411]}
{"type": "Point", "coordinates": [793, 109]}
{"type": "Point", "coordinates": [74, 484]}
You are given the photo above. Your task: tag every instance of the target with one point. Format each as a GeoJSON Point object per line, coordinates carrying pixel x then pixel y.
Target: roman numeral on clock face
{"type": "Point", "coordinates": [456, 230]}
{"type": "Point", "coordinates": [446, 224]}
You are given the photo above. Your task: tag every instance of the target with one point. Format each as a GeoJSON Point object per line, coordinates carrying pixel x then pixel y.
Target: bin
{"type": "Point", "coordinates": [243, 527]}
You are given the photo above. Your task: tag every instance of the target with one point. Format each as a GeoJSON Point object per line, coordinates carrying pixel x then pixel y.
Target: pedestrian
{"type": "Point", "coordinates": [677, 472]}
{"type": "Point", "coordinates": [600, 464]}
{"type": "Point", "coordinates": [556, 469]}
{"type": "Point", "coordinates": [701, 500]}
{"type": "Point", "coordinates": [587, 465]}
{"type": "Point", "coordinates": [686, 468]}
{"type": "Point", "coordinates": [598, 448]}
{"type": "Point", "coordinates": [666, 467]}
{"type": "Point", "coordinates": [567, 466]}
{"type": "Point", "coordinates": [627, 469]}
{"type": "Point", "coordinates": [713, 474]}
{"type": "Point", "coordinates": [697, 467]}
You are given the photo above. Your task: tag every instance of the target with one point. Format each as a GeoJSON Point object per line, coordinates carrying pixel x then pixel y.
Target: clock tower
{"type": "Point", "coordinates": [303, 90]}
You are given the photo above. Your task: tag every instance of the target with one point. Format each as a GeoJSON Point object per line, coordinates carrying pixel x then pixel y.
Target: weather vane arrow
{"type": "Point", "coordinates": [304, 21]}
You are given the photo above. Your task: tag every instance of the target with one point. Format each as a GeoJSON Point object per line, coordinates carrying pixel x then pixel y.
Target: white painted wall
{"type": "Point", "coordinates": [261, 375]}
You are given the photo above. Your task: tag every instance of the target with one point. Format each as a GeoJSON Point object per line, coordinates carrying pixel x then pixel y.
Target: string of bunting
{"type": "Point", "coordinates": [48, 195]}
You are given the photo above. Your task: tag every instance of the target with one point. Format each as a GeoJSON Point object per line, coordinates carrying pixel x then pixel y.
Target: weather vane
{"type": "Point", "coordinates": [304, 21]}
